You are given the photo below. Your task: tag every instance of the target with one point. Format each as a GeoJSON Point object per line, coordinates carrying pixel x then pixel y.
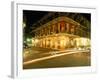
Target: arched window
{"type": "Point", "coordinates": [62, 26]}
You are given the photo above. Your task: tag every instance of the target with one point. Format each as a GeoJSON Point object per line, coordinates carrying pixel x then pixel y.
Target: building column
{"type": "Point", "coordinates": [67, 27]}
{"type": "Point", "coordinates": [58, 27]}
{"type": "Point", "coordinates": [72, 29]}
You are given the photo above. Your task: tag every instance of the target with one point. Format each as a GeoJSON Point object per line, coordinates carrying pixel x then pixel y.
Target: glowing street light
{"type": "Point", "coordinates": [24, 25]}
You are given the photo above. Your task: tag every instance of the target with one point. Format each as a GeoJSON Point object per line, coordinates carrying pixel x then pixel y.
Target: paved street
{"type": "Point", "coordinates": [50, 58]}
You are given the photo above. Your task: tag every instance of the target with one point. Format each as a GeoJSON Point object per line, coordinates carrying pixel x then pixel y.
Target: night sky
{"type": "Point", "coordinates": [31, 17]}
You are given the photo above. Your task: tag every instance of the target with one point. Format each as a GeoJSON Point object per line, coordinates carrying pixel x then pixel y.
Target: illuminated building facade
{"type": "Point", "coordinates": [61, 33]}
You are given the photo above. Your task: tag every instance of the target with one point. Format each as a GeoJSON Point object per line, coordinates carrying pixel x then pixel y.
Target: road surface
{"type": "Point", "coordinates": [49, 58]}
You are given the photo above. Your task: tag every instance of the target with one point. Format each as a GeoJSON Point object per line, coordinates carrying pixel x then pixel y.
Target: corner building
{"type": "Point", "coordinates": [61, 33]}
